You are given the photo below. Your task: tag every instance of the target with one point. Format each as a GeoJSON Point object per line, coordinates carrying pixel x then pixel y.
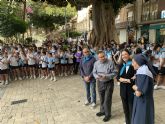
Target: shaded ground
{"type": "Point", "coordinates": [60, 102]}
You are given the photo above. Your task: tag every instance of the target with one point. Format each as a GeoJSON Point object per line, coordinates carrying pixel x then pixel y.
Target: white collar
{"type": "Point", "coordinates": [144, 70]}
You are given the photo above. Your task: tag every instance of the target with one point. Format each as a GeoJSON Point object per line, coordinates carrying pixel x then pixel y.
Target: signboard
{"type": "Point", "coordinates": [163, 14]}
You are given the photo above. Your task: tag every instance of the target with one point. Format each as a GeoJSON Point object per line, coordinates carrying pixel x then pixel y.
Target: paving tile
{"type": "Point", "coordinates": [61, 102]}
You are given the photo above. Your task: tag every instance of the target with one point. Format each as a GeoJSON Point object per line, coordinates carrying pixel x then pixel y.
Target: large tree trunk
{"type": "Point", "coordinates": [103, 23]}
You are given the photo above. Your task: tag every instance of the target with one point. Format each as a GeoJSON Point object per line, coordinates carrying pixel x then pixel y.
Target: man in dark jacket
{"type": "Point", "coordinates": [86, 68]}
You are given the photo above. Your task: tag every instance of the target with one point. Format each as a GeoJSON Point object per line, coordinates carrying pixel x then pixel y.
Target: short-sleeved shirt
{"type": "Point", "coordinates": [13, 61]}
{"type": "Point", "coordinates": [31, 60]}
{"type": "Point", "coordinates": [156, 62]}
{"type": "Point", "coordinates": [3, 64]}
{"type": "Point", "coordinates": [63, 59]}
{"type": "Point", "coordinates": [70, 58]}
{"type": "Point", "coordinates": [44, 61]}
{"type": "Point", "coordinates": [162, 55]}
{"type": "Point", "coordinates": [51, 61]}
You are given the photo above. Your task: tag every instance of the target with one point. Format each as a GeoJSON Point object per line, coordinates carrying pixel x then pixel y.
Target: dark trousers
{"type": "Point", "coordinates": [76, 67]}
{"type": "Point", "coordinates": [127, 106]}
{"type": "Point", "coordinates": [105, 93]}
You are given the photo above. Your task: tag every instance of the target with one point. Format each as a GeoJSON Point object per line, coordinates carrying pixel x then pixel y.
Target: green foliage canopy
{"type": "Point", "coordinates": [117, 4]}
{"type": "Point", "coordinates": [10, 21]}
{"type": "Point", "coordinates": [50, 16]}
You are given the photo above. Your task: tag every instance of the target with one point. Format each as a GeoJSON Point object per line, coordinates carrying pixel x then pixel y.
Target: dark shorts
{"type": "Point", "coordinates": [45, 68]}
{"type": "Point", "coordinates": [51, 69]}
{"type": "Point", "coordinates": [162, 71]}
{"type": "Point", "coordinates": [156, 70]}
{"type": "Point", "coordinates": [32, 66]}
{"type": "Point", "coordinates": [6, 71]}
{"type": "Point", "coordinates": [70, 64]}
{"type": "Point", "coordinates": [14, 67]}
{"type": "Point", "coordinates": [25, 65]}
{"type": "Point", "coordinates": [57, 63]}
{"type": "Point", "coordinates": [64, 64]}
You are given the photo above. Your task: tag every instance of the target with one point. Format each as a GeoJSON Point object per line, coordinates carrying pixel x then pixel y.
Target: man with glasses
{"type": "Point", "coordinates": [86, 68]}
{"type": "Point", "coordinates": [104, 72]}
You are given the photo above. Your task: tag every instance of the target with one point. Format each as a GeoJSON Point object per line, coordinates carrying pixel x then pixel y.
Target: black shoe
{"type": "Point", "coordinates": [99, 114]}
{"type": "Point", "coordinates": [106, 118]}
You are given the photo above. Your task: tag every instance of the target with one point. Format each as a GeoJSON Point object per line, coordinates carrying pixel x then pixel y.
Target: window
{"type": "Point", "coordinates": [130, 16]}
{"type": "Point", "coordinates": [117, 20]}
{"type": "Point", "coordinates": [150, 10]}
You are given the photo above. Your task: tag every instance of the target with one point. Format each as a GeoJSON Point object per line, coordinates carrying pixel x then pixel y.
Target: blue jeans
{"type": "Point", "coordinates": [90, 91]}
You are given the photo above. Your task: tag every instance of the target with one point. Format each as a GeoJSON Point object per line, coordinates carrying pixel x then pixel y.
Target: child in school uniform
{"type": "Point", "coordinates": [63, 62]}
{"type": "Point", "coordinates": [70, 56]}
{"type": "Point", "coordinates": [24, 63]}
{"type": "Point", "coordinates": [57, 63]}
{"type": "Point", "coordinates": [13, 60]}
{"type": "Point", "coordinates": [31, 63]}
{"type": "Point", "coordinates": [51, 66]}
{"type": "Point", "coordinates": [39, 64]}
{"type": "Point", "coordinates": [4, 68]}
{"type": "Point", "coordinates": [44, 66]}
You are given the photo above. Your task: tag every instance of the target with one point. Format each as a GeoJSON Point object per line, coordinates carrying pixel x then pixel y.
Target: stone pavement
{"type": "Point", "coordinates": [60, 102]}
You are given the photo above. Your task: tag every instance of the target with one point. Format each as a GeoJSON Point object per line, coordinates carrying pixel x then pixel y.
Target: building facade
{"type": "Point", "coordinates": [153, 20]}
{"type": "Point", "coordinates": [127, 22]}
{"type": "Point", "coordinates": [84, 23]}
{"type": "Point", "coordinates": [143, 18]}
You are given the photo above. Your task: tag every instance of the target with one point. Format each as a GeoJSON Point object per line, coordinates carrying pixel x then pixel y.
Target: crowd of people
{"type": "Point", "coordinates": [136, 67]}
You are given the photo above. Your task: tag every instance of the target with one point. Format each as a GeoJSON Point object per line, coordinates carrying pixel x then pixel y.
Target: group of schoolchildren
{"type": "Point", "coordinates": [18, 62]}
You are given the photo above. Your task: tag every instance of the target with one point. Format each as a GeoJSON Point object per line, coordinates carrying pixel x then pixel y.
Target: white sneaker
{"type": "Point", "coordinates": [27, 77]}
{"type": "Point", "coordinates": [93, 105]}
{"type": "Point", "coordinates": [42, 77]}
{"type": "Point", "coordinates": [34, 77]}
{"type": "Point", "coordinates": [20, 78]}
{"type": "Point", "coordinates": [46, 77]}
{"type": "Point", "coordinates": [86, 103]}
{"type": "Point", "coordinates": [62, 74]}
{"type": "Point", "coordinates": [16, 79]}
{"type": "Point", "coordinates": [6, 82]}
{"type": "Point", "coordinates": [156, 87]}
{"type": "Point", "coordinates": [55, 80]}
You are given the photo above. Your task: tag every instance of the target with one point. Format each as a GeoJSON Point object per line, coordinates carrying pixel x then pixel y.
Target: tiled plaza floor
{"type": "Point", "coordinates": [60, 102]}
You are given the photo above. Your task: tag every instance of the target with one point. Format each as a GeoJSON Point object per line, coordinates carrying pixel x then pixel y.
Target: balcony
{"type": "Point", "coordinates": [153, 16]}
{"type": "Point", "coordinates": [123, 25]}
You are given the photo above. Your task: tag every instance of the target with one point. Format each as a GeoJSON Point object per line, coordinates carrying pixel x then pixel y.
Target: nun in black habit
{"type": "Point", "coordinates": [143, 105]}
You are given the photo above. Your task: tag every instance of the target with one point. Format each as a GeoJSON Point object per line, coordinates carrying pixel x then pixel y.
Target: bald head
{"type": "Point", "coordinates": [101, 56]}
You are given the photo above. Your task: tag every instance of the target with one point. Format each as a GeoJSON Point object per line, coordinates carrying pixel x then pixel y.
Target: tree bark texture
{"type": "Point", "coordinates": [104, 29]}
